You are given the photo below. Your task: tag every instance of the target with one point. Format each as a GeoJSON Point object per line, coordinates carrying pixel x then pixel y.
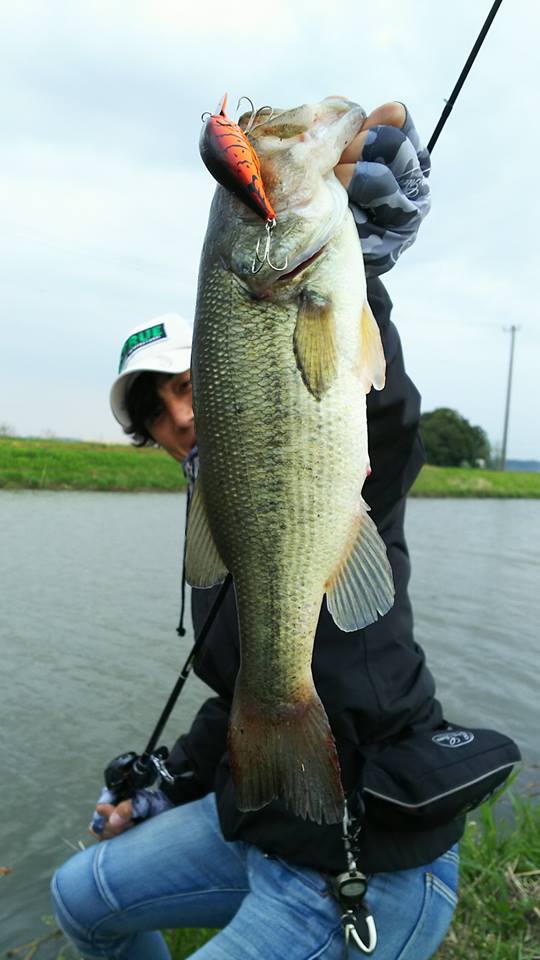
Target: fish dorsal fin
{"type": "Point", "coordinates": [372, 363]}
{"type": "Point", "coordinates": [362, 588]}
{"type": "Point", "coordinates": [204, 566]}
{"type": "Point", "coordinates": [315, 343]}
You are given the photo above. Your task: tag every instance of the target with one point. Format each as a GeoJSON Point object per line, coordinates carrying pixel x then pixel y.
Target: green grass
{"type": "Point", "coordinates": [38, 464]}
{"type": "Point", "coordinates": [182, 943]}
{"type": "Point", "coordinates": [463, 482]}
{"type": "Point", "coordinates": [59, 465]}
{"type": "Point", "coordinates": [498, 914]}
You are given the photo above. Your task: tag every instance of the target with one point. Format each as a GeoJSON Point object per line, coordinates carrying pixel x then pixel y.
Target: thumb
{"type": "Point", "coordinates": [121, 814]}
{"type": "Point", "coordinates": [391, 114]}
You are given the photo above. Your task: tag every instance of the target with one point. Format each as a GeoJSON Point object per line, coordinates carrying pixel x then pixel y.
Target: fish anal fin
{"type": "Point", "coordinates": [285, 751]}
{"type": "Point", "coordinates": [371, 361]}
{"type": "Point", "coordinates": [315, 343]}
{"type": "Point", "coordinates": [204, 566]}
{"type": "Point", "coordinates": [362, 587]}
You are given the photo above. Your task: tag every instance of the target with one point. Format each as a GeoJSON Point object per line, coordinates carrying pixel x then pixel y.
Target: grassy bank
{"type": "Point", "coordinates": [461, 482]}
{"type": "Point", "coordinates": [27, 464]}
{"type": "Point", "coordinates": [59, 465]}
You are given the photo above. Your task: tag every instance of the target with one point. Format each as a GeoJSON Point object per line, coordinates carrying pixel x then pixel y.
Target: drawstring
{"type": "Point", "coordinates": [190, 467]}
{"type": "Point", "coordinates": [181, 630]}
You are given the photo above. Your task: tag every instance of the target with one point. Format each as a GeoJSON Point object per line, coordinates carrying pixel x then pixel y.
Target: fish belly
{"type": "Point", "coordinates": [281, 476]}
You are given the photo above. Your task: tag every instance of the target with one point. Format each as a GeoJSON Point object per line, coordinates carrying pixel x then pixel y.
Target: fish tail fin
{"type": "Point", "coordinates": [288, 752]}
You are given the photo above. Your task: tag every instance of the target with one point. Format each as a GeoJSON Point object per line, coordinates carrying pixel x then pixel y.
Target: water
{"type": "Point", "coordinates": [90, 597]}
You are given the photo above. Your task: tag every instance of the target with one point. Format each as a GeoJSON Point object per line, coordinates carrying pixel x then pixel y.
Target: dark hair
{"type": "Point", "coordinates": [143, 405]}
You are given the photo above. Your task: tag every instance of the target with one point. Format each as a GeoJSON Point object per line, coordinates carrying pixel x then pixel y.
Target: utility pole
{"type": "Point", "coordinates": [512, 330]}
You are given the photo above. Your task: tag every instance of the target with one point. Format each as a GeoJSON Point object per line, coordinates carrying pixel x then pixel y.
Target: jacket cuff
{"type": "Point", "coordinates": [186, 786]}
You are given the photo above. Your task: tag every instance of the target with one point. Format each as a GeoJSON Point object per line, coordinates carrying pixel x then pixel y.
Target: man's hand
{"type": "Point", "coordinates": [384, 170]}
{"type": "Point", "coordinates": [113, 818]}
{"type": "Point", "coordinates": [389, 114]}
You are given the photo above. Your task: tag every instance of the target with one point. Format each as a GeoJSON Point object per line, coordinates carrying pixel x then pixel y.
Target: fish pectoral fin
{"type": "Point", "coordinates": [315, 343]}
{"type": "Point", "coordinates": [372, 363]}
{"type": "Point", "coordinates": [204, 566]}
{"type": "Point", "coordinates": [363, 586]}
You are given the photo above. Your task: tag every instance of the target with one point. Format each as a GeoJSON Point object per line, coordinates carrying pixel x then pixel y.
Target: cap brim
{"type": "Point", "coordinates": [174, 361]}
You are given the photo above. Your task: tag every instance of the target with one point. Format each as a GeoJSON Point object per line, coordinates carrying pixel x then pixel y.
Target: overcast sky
{"type": "Point", "coordinates": [104, 198]}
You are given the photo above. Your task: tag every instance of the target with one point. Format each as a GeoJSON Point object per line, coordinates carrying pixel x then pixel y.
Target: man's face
{"type": "Point", "coordinates": [172, 426]}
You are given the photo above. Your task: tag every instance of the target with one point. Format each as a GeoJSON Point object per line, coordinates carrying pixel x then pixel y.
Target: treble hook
{"type": "Point", "coordinates": [265, 258]}
{"type": "Point", "coordinates": [254, 114]}
{"type": "Point", "coordinates": [253, 125]}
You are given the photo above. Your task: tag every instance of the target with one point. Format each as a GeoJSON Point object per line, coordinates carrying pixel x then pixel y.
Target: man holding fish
{"type": "Point", "coordinates": [311, 657]}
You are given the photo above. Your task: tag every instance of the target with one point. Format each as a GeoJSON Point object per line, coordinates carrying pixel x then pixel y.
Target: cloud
{"type": "Point", "coordinates": [105, 200]}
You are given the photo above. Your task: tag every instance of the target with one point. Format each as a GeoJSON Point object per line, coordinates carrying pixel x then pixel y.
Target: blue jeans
{"type": "Point", "coordinates": [176, 870]}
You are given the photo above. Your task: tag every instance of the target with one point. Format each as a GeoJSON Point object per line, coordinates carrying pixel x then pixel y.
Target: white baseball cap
{"type": "Point", "coordinates": [163, 345]}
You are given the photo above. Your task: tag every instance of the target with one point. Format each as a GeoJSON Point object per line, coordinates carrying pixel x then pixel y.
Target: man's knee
{"type": "Point", "coordinates": [75, 897]}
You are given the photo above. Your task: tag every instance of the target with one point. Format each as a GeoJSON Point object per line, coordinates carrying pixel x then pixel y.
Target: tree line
{"type": "Point", "coordinates": [451, 441]}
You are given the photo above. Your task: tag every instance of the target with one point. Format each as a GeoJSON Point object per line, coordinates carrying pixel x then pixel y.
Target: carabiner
{"type": "Point", "coordinates": [350, 931]}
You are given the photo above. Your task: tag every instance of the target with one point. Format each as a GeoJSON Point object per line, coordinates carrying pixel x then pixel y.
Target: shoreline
{"type": "Point", "coordinates": [48, 464]}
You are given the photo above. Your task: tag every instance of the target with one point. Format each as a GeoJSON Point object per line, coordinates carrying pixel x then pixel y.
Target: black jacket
{"type": "Point", "coordinates": [373, 683]}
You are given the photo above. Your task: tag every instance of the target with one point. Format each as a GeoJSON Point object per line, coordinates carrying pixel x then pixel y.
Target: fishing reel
{"type": "Point", "coordinates": [130, 772]}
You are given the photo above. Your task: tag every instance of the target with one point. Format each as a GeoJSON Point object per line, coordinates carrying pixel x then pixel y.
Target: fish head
{"type": "Point", "coordinates": [298, 150]}
{"type": "Point", "coordinates": [298, 147]}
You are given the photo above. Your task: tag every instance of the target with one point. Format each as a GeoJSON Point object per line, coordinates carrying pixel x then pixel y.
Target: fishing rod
{"type": "Point", "coordinates": [463, 76]}
{"type": "Point", "coordinates": [131, 771]}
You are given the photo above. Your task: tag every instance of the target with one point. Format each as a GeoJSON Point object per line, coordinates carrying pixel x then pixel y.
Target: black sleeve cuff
{"type": "Point", "coordinates": [195, 756]}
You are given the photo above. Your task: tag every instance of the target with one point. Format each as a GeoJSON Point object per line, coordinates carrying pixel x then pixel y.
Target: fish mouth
{"type": "Point", "coordinates": [302, 265]}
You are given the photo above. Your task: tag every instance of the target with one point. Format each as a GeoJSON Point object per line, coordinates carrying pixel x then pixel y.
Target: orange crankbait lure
{"type": "Point", "coordinates": [231, 159]}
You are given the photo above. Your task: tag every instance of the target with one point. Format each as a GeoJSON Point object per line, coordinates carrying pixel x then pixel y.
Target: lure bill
{"type": "Point", "coordinates": [232, 161]}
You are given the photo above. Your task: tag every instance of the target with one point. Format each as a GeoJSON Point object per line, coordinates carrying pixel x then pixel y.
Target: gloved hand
{"type": "Point", "coordinates": [110, 819]}
{"type": "Point", "coordinates": [384, 170]}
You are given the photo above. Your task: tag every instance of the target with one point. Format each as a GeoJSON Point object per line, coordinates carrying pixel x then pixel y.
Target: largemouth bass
{"type": "Point", "coordinates": [282, 361]}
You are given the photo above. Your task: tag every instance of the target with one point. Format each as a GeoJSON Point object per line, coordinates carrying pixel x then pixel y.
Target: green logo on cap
{"type": "Point", "coordinates": [140, 339]}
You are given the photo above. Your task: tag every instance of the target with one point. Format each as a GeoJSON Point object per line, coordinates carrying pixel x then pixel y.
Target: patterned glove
{"type": "Point", "coordinates": [148, 803]}
{"type": "Point", "coordinates": [389, 194]}
{"type": "Point", "coordinates": [144, 804]}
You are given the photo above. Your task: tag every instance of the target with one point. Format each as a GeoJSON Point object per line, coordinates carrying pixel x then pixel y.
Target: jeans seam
{"type": "Point", "coordinates": [451, 856]}
{"type": "Point", "coordinates": [155, 901]}
{"type": "Point", "coordinates": [99, 876]}
{"type": "Point", "coordinates": [63, 910]}
{"type": "Point", "coordinates": [429, 888]}
{"type": "Point", "coordinates": [444, 890]}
